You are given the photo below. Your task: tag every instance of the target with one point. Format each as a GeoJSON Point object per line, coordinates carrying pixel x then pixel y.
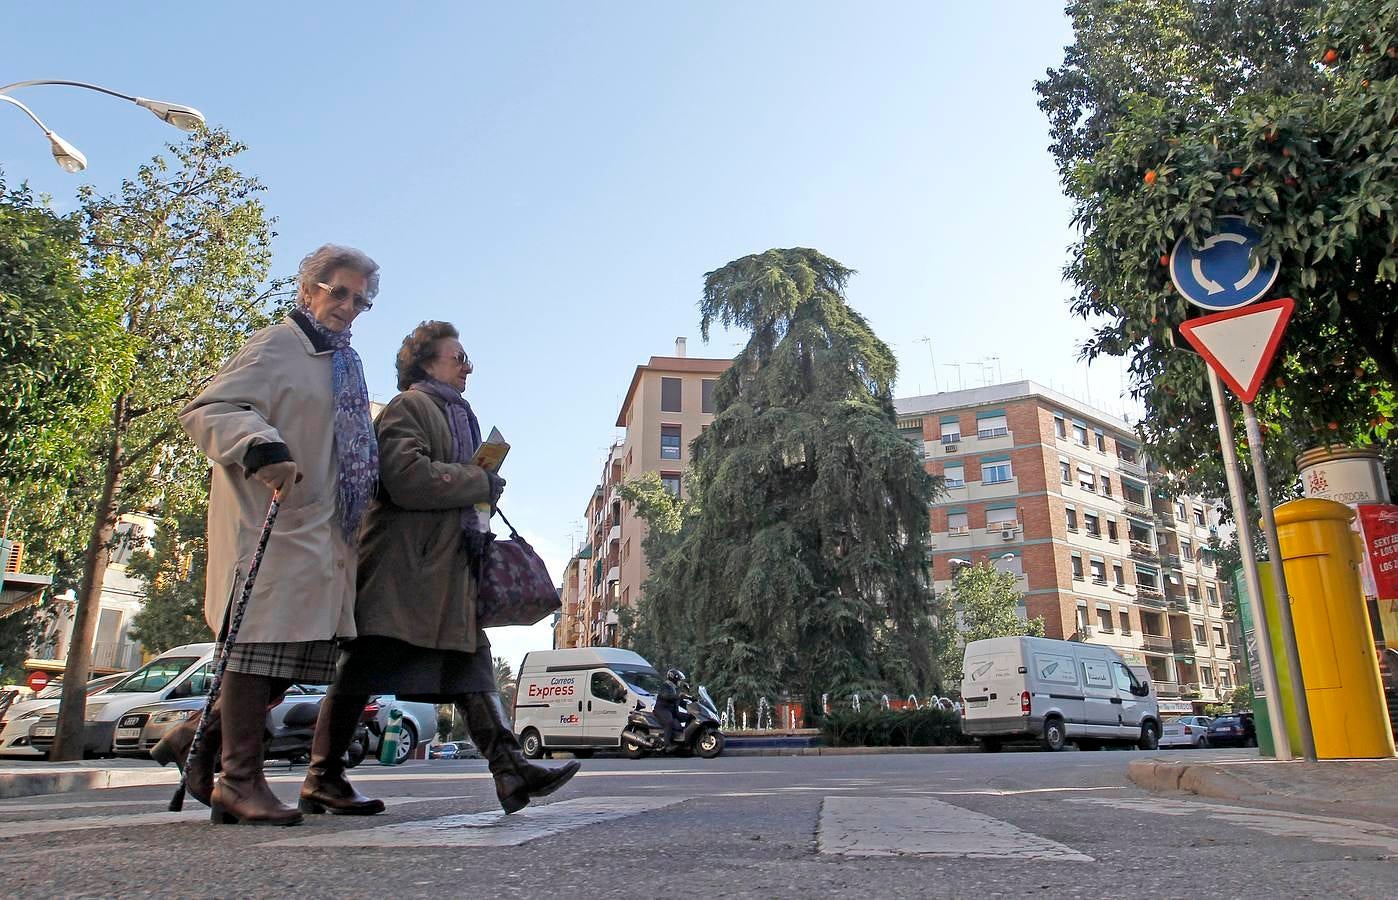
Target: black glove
{"type": "Point", "coordinates": [497, 487]}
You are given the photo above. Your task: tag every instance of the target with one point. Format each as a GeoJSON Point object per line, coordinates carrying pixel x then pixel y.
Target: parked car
{"type": "Point", "coordinates": [1185, 731]}
{"type": "Point", "coordinates": [454, 750]}
{"type": "Point", "coordinates": [142, 728]}
{"type": "Point", "coordinates": [1233, 730]}
{"type": "Point", "coordinates": [181, 672]}
{"type": "Point", "coordinates": [419, 722]}
{"type": "Point", "coordinates": [21, 716]}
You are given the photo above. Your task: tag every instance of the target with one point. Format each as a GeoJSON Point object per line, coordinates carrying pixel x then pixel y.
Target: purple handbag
{"type": "Point", "coordinates": [516, 588]}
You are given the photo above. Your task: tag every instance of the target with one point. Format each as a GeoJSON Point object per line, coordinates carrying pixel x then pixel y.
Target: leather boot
{"type": "Point", "coordinates": [326, 788]}
{"type": "Point", "coordinates": [517, 780]}
{"type": "Point", "coordinates": [242, 795]}
{"type": "Point", "coordinates": [174, 748]}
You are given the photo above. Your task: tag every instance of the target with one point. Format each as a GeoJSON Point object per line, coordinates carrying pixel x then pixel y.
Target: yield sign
{"type": "Point", "coordinates": [1239, 344]}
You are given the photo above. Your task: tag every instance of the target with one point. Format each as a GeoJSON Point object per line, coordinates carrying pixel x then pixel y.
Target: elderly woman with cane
{"type": "Point", "coordinates": [288, 413]}
{"type": "Point", "coordinates": [420, 558]}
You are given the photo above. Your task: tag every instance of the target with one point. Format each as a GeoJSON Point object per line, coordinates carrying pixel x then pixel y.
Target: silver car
{"type": "Point", "coordinates": [419, 724]}
{"type": "Point", "coordinates": [143, 727]}
{"type": "Point", "coordinates": [1186, 731]}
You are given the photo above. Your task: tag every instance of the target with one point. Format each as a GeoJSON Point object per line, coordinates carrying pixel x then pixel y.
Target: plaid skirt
{"type": "Point", "coordinates": [305, 662]}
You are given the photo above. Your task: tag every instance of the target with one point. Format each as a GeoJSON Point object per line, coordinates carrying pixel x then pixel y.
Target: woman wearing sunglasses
{"type": "Point", "coordinates": [419, 564]}
{"type": "Point", "coordinates": [288, 412]}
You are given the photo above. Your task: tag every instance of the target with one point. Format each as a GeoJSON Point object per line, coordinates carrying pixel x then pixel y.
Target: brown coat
{"type": "Point", "coordinates": [415, 580]}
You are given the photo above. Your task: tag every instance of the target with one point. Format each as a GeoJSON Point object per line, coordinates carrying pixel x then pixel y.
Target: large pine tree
{"type": "Point", "coordinates": [800, 561]}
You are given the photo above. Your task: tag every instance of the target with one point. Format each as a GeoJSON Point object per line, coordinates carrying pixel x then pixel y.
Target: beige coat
{"type": "Point", "coordinates": [415, 580]}
{"type": "Point", "coordinates": [277, 388]}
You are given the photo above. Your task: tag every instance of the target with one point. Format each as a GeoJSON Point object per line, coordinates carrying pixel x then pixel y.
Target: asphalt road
{"type": "Point", "coordinates": [964, 825]}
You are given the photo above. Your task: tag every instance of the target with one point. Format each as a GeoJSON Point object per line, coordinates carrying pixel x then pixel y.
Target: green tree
{"type": "Point", "coordinates": [183, 248]}
{"type": "Point", "coordinates": [1169, 113]}
{"type": "Point", "coordinates": [505, 681]}
{"type": "Point", "coordinates": [985, 603]}
{"type": "Point", "coordinates": [653, 636]}
{"type": "Point", "coordinates": [173, 568]}
{"type": "Point", "coordinates": [800, 560]}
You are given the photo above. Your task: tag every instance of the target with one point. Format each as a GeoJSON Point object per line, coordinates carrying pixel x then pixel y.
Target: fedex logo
{"type": "Point", "coordinates": [572, 719]}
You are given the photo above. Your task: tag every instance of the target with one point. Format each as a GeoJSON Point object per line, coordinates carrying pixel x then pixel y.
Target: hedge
{"type": "Point", "coordinates": [893, 728]}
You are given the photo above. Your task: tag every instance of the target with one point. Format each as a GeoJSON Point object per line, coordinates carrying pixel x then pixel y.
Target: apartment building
{"type": "Point", "coordinates": [1057, 492]}
{"type": "Point", "coordinates": [668, 403]}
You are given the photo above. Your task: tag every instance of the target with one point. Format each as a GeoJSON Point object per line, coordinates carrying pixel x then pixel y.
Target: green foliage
{"type": "Point", "coordinates": [1169, 113]}
{"type": "Point", "coordinates": [505, 681]}
{"type": "Point", "coordinates": [802, 568]}
{"type": "Point", "coordinates": [1241, 698]}
{"type": "Point", "coordinates": [880, 727]}
{"type": "Point", "coordinates": [173, 570]}
{"type": "Point", "coordinates": [985, 602]}
{"type": "Point", "coordinates": [18, 632]}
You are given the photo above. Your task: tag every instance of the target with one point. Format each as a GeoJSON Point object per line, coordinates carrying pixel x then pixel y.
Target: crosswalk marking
{"type": "Point", "coordinates": [907, 826]}
{"type": "Point", "coordinates": [487, 829]}
{"type": "Point", "coordinates": [1324, 829]}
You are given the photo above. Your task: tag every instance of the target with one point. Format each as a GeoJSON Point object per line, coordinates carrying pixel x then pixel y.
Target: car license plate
{"type": "Point", "coordinates": [976, 702]}
{"type": "Point", "coordinates": [127, 733]}
{"type": "Point", "coordinates": [45, 730]}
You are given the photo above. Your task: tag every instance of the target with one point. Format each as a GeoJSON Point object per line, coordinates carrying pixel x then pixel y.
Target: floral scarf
{"type": "Point", "coordinates": [356, 447]}
{"type": "Point", "coordinates": [465, 433]}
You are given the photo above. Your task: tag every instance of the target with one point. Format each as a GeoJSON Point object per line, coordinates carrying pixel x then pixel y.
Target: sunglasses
{"type": "Point", "coordinates": [461, 359]}
{"type": "Point", "coordinates": [340, 294]}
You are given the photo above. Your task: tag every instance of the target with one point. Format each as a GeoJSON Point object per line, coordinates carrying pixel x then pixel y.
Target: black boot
{"type": "Point", "coordinates": [325, 787]}
{"type": "Point", "coordinates": [517, 780]}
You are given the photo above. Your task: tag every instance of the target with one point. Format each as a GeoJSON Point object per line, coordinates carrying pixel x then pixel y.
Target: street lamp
{"type": "Point", "coordinates": [70, 158]}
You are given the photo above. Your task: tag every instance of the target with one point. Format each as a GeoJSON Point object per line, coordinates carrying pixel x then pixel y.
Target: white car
{"type": "Point", "coordinates": [1186, 731]}
{"type": "Point", "coordinates": [19, 717]}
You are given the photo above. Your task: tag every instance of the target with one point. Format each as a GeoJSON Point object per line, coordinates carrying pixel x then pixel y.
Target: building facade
{"type": "Point", "coordinates": [1046, 487]}
{"type": "Point", "coordinates": [668, 403]}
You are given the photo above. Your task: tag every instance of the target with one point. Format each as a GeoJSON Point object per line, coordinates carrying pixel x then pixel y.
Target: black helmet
{"type": "Point", "coordinates": [675, 676]}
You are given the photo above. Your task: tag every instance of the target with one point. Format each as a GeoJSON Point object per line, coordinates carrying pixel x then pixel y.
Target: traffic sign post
{"type": "Point", "coordinates": [38, 681]}
{"type": "Point", "coordinates": [1223, 274]}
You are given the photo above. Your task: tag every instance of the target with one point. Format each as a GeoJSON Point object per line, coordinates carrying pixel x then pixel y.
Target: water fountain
{"type": "Point", "coordinates": [745, 720]}
{"type": "Point", "coordinates": [854, 701]}
{"type": "Point", "coordinates": [730, 718]}
{"type": "Point", "coordinates": [825, 704]}
{"type": "Point", "coordinates": [764, 709]}
{"type": "Point", "coordinates": [884, 701]}
{"type": "Point", "coordinates": [912, 701]}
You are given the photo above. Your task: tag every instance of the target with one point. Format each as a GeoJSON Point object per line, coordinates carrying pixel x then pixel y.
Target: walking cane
{"type": "Point", "coordinates": [231, 638]}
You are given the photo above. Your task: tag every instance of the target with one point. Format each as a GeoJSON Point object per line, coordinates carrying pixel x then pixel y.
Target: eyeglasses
{"type": "Point", "coordinates": [340, 293]}
{"type": "Point", "coordinates": [461, 359]}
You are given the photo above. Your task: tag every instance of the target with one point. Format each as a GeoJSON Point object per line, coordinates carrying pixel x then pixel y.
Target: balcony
{"type": "Point", "coordinates": [614, 573]}
{"type": "Point", "coordinates": [122, 656]}
{"type": "Point", "coordinates": [1172, 560]}
{"type": "Point", "coordinates": [1157, 642]}
{"type": "Point", "coordinates": [1150, 599]}
{"type": "Point", "coordinates": [1131, 467]}
{"type": "Point", "coordinates": [1134, 507]}
{"type": "Point", "coordinates": [614, 534]}
{"type": "Point", "coordinates": [1165, 520]}
{"type": "Point", "coordinates": [1142, 552]}
{"type": "Point", "coordinates": [1183, 647]}
{"type": "Point", "coordinates": [1178, 605]}
{"type": "Point", "coordinates": [1170, 689]}
{"type": "Point", "coordinates": [959, 531]}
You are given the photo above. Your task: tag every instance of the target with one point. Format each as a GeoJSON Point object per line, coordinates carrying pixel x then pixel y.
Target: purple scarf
{"type": "Point", "coordinates": [465, 432]}
{"type": "Point", "coordinates": [356, 447]}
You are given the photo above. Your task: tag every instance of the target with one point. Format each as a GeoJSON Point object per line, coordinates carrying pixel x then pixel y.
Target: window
{"type": "Point", "coordinates": [1058, 669]}
{"type": "Point", "coordinates": [1099, 571]}
{"type": "Point", "coordinates": [1101, 442]}
{"type": "Point", "coordinates": [1192, 591]}
{"type": "Point", "coordinates": [1206, 676]}
{"type": "Point", "coordinates": [1072, 518]}
{"type": "Point", "coordinates": [1065, 471]}
{"type": "Point", "coordinates": [669, 442]}
{"type": "Point", "coordinates": [706, 395]}
{"type": "Point", "coordinates": [997, 519]}
{"type": "Point", "coordinates": [951, 432]}
{"type": "Point", "coordinates": [670, 395]}
{"type": "Point", "coordinates": [996, 472]}
{"type": "Point", "coordinates": [958, 523]}
{"type": "Point", "coordinates": [1125, 621]}
{"type": "Point", "coordinates": [1212, 592]}
{"type": "Point", "coordinates": [1082, 616]}
{"type": "Point", "coordinates": [1199, 517]}
{"type": "Point", "coordinates": [1225, 680]}
{"type": "Point", "coordinates": [1060, 428]}
{"type": "Point", "coordinates": [1111, 531]}
{"type": "Point", "coordinates": [1118, 574]}
{"type": "Point", "coordinates": [1104, 620]}
{"type": "Point", "coordinates": [671, 482]}
{"type": "Point", "coordinates": [992, 426]}
{"type": "Point", "coordinates": [1133, 495]}
{"type": "Point", "coordinates": [1086, 480]}
{"type": "Point", "coordinates": [955, 476]}
{"type": "Point", "coordinates": [1147, 579]}
{"type": "Point", "coordinates": [606, 687]}
{"type": "Point", "coordinates": [1093, 524]}
{"type": "Point", "coordinates": [1080, 433]}
{"type": "Point", "coordinates": [1206, 557]}
{"type": "Point", "coordinates": [1077, 567]}
{"type": "Point", "coordinates": [1218, 637]}
{"type": "Point", "coordinates": [1179, 510]}
{"type": "Point", "coordinates": [1106, 486]}
{"type": "Point", "coordinates": [1011, 565]}
{"type": "Point", "coordinates": [1097, 673]}
{"type": "Point", "coordinates": [1199, 636]}
{"type": "Point", "coordinates": [1186, 550]}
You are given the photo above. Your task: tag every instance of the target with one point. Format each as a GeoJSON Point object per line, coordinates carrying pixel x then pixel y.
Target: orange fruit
{"type": "Point", "coordinates": [1330, 57]}
{"type": "Point", "coordinates": [1333, 426]}
{"type": "Point", "coordinates": [1150, 176]}
{"type": "Point", "coordinates": [1237, 172]}
{"type": "Point", "coordinates": [1164, 259]}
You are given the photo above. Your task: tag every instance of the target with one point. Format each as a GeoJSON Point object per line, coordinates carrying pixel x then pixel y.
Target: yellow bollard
{"type": "Point", "coordinates": [1343, 686]}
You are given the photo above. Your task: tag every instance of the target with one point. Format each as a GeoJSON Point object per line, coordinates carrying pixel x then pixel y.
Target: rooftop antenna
{"type": "Point", "coordinates": [928, 342]}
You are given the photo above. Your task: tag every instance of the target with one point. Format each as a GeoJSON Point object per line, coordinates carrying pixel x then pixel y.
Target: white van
{"type": "Point", "coordinates": [1014, 688]}
{"type": "Point", "coordinates": [579, 700]}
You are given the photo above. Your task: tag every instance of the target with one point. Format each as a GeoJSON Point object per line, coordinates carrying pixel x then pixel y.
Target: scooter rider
{"type": "Point", "coordinates": [667, 705]}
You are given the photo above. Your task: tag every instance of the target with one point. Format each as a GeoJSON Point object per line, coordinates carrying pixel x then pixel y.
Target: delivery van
{"type": "Point", "coordinates": [1055, 692]}
{"type": "Point", "coordinates": [579, 700]}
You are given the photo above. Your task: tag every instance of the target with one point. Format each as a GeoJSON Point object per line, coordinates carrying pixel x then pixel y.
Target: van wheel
{"type": "Point", "coordinates": [532, 744]}
{"type": "Point", "coordinates": [1055, 737]}
{"type": "Point", "coordinates": [990, 745]}
{"type": "Point", "coordinates": [1150, 736]}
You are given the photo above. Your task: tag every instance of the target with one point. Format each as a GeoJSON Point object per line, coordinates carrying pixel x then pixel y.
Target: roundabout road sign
{"type": "Point", "coordinates": [1220, 273]}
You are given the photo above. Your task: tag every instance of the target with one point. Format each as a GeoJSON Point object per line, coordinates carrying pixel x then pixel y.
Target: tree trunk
{"type": "Point", "coordinates": [72, 710]}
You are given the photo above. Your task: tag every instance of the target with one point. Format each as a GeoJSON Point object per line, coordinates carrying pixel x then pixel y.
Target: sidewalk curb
{"type": "Point", "coordinates": [842, 751]}
{"type": "Point", "coordinates": [1214, 782]}
{"type": "Point", "coordinates": [34, 784]}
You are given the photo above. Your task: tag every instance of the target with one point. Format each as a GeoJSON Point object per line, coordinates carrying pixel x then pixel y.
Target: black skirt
{"type": "Point", "coordinates": [382, 665]}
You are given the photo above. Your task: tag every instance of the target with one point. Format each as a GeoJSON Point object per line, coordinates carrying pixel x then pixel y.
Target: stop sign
{"type": "Point", "coordinates": [38, 681]}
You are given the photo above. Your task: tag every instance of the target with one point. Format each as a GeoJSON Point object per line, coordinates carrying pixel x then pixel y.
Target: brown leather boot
{"type": "Point", "coordinates": [242, 795]}
{"type": "Point", "coordinates": [174, 748]}
{"type": "Point", "coordinates": [326, 789]}
{"type": "Point", "coordinates": [517, 780]}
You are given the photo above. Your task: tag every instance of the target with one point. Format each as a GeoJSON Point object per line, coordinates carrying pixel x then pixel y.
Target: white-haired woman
{"type": "Point", "coordinates": [289, 411]}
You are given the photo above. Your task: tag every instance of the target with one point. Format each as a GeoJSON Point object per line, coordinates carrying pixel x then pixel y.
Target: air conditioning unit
{"type": "Point", "coordinates": [1007, 535]}
{"type": "Point", "coordinates": [952, 448]}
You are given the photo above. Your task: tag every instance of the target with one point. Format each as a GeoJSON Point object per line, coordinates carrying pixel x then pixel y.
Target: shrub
{"type": "Point", "coordinates": [893, 728]}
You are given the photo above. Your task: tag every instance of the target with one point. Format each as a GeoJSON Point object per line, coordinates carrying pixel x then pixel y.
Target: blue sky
{"type": "Point", "coordinates": [556, 178]}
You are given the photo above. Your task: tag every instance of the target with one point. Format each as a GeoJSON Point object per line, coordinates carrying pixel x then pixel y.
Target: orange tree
{"type": "Point", "coordinates": [1169, 113]}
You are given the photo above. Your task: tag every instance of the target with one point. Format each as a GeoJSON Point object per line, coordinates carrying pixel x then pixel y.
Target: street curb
{"type": "Point", "coordinates": [1215, 783]}
{"type": "Point", "coordinates": [34, 784]}
{"type": "Point", "coordinates": [842, 751]}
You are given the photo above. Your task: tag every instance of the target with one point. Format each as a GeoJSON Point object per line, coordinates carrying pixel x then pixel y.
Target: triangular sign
{"type": "Point", "coordinates": [1239, 344]}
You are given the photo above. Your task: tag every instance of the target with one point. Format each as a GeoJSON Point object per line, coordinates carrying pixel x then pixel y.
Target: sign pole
{"type": "Point", "coordinates": [1251, 577]}
{"type": "Point", "coordinates": [1288, 629]}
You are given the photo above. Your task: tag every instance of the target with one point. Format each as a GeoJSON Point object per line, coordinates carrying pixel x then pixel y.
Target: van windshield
{"type": "Point", "coordinates": [642, 681]}
{"type": "Point", "coordinates": [154, 675]}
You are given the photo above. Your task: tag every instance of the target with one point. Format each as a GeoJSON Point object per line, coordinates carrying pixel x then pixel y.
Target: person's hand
{"type": "Point", "coordinates": [497, 487]}
{"type": "Point", "coordinates": [279, 476]}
